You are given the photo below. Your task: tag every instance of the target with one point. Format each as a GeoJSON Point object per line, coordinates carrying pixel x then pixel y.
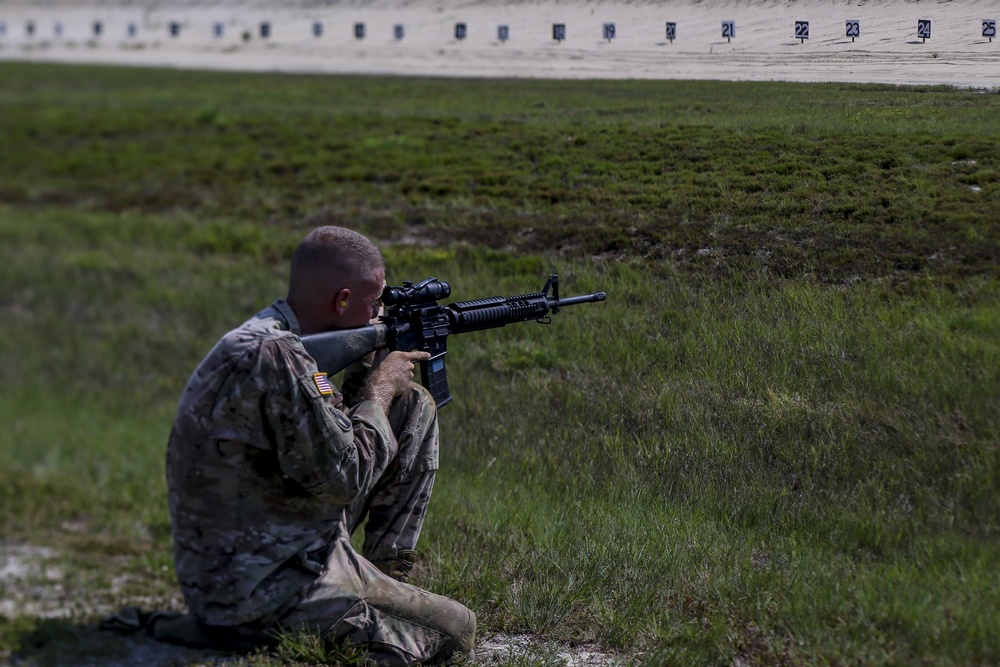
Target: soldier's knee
{"type": "Point", "coordinates": [414, 405]}
{"type": "Point", "coordinates": [466, 639]}
{"type": "Point", "coordinates": [414, 414]}
{"type": "Point", "coordinates": [424, 400]}
{"type": "Point", "coordinates": [461, 627]}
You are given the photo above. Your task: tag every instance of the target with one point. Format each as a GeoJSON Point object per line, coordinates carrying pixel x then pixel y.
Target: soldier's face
{"type": "Point", "coordinates": [366, 302]}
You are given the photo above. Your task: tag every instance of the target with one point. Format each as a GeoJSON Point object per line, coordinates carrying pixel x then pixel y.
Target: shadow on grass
{"type": "Point", "coordinates": [68, 643]}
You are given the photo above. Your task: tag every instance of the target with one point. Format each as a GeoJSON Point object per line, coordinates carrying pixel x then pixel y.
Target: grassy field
{"type": "Point", "coordinates": [775, 444]}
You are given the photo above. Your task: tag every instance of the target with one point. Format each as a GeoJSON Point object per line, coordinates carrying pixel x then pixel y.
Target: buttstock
{"type": "Point", "coordinates": [336, 350]}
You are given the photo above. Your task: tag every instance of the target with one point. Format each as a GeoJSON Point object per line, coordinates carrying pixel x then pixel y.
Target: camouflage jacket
{"type": "Point", "coordinates": [262, 461]}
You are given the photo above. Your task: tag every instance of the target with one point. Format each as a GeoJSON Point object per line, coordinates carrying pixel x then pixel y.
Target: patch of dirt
{"type": "Point", "coordinates": [30, 584]}
{"type": "Point", "coordinates": [40, 620]}
{"type": "Point", "coordinates": [44, 623]}
{"type": "Point", "coordinates": [503, 648]}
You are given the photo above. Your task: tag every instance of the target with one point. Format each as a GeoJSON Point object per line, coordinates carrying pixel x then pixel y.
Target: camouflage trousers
{"type": "Point", "coordinates": [396, 503]}
{"type": "Point", "coordinates": [352, 600]}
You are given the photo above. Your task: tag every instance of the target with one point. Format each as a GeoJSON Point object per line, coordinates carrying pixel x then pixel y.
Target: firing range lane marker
{"type": "Point", "coordinates": [729, 30]}
{"type": "Point", "coordinates": [990, 29]}
{"type": "Point", "coordinates": [924, 29]}
{"type": "Point", "coordinates": [801, 31]}
{"type": "Point", "coordinates": [671, 31]}
{"type": "Point", "coordinates": [853, 29]}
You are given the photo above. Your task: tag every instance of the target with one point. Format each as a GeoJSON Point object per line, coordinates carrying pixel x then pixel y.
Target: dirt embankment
{"type": "Point", "coordinates": [512, 38]}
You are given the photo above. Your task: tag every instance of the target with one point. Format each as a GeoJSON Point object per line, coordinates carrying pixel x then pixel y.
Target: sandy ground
{"type": "Point", "coordinates": [888, 49]}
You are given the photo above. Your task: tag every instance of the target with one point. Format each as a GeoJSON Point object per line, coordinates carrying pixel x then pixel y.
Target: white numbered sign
{"type": "Point", "coordinates": [460, 31]}
{"type": "Point", "coordinates": [398, 32]}
{"type": "Point", "coordinates": [131, 30]}
{"type": "Point", "coordinates": [989, 28]}
{"type": "Point", "coordinates": [559, 31]}
{"type": "Point", "coordinates": [802, 30]}
{"type": "Point", "coordinates": [29, 28]}
{"type": "Point", "coordinates": [503, 33]}
{"type": "Point", "coordinates": [217, 29]}
{"type": "Point", "coordinates": [924, 29]}
{"type": "Point", "coordinates": [359, 31]}
{"type": "Point", "coordinates": [175, 29]}
{"type": "Point", "coordinates": [729, 30]}
{"type": "Point", "coordinates": [609, 31]}
{"type": "Point", "coordinates": [317, 29]}
{"type": "Point", "coordinates": [265, 30]}
{"type": "Point", "coordinates": [671, 30]}
{"type": "Point", "coordinates": [97, 28]}
{"type": "Point", "coordinates": [853, 29]}
{"type": "Point", "coordinates": [3, 29]}
{"type": "Point", "coordinates": [58, 29]}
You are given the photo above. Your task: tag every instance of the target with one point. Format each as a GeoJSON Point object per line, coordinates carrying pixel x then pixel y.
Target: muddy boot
{"type": "Point", "coordinates": [399, 567]}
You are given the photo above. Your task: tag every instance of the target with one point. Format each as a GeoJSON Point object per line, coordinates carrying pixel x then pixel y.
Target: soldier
{"type": "Point", "coordinates": [271, 469]}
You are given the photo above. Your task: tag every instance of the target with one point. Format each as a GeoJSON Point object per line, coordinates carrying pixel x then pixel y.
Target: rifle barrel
{"type": "Point", "coordinates": [584, 298]}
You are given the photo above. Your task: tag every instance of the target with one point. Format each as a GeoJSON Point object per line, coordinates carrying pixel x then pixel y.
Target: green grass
{"type": "Point", "coordinates": [835, 180]}
{"type": "Point", "coordinates": [775, 443]}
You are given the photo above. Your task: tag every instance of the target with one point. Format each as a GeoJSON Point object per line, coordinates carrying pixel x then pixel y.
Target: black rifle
{"type": "Point", "coordinates": [415, 321]}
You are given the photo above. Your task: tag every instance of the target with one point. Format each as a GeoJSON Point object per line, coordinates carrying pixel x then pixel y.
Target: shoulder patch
{"type": "Point", "coordinates": [322, 384]}
{"type": "Point", "coordinates": [341, 419]}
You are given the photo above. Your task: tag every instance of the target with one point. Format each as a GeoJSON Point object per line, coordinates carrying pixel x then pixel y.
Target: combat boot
{"type": "Point", "coordinates": [399, 567]}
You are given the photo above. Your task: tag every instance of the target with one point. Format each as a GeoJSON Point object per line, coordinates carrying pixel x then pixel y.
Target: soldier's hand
{"type": "Point", "coordinates": [392, 373]}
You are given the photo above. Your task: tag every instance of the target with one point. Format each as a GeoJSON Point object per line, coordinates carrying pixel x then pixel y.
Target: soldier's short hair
{"type": "Point", "coordinates": [334, 252]}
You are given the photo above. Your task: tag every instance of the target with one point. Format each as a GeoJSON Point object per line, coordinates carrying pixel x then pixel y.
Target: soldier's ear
{"type": "Point", "coordinates": [341, 301]}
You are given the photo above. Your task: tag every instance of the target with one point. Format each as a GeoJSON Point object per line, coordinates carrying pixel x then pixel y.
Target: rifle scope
{"type": "Point", "coordinates": [427, 291]}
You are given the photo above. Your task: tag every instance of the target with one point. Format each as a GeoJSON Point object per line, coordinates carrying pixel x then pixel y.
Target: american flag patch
{"type": "Point", "coordinates": [322, 384]}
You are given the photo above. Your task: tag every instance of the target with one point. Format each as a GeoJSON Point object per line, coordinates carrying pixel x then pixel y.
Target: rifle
{"type": "Point", "coordinates": [415, 321]}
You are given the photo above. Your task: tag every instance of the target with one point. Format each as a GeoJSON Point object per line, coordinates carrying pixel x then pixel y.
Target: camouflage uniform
{"type": "Point", "coordinates": [270, 471]}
